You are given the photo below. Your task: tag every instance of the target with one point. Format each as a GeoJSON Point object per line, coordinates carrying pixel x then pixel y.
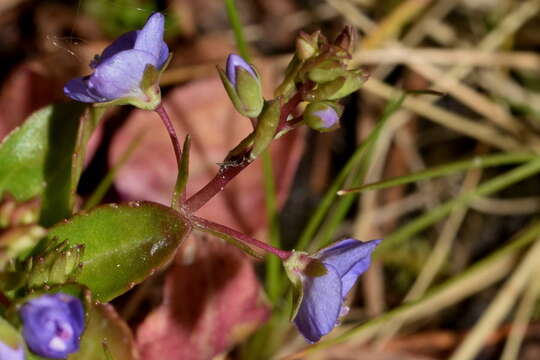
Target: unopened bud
{"type": "Point", "coordinates": [347, 39]}
{"type": "Point", "coordinates": [326, 71]}
{"type": "Point", "coordinates": [323, 116]}
{"type": "Point", "coordinates": [307, 45]}
{"type": "Point", "coordinates": [243, 85]}
{"type": "Point", "coordinates": [338, 88]}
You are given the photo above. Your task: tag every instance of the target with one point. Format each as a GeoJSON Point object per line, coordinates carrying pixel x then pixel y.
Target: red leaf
{"type": "Point", "coordinates": [212, 300]}
{"type": "Point", "coordinates": [25, 90]}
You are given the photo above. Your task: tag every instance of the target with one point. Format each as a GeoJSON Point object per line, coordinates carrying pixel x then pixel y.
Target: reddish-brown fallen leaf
{"type": "Point", "coordinates": [25, 90]}
{"type": "Point", "coordinates": [203, 110]}
{"type": "Point", "coordinates": [212, 300]}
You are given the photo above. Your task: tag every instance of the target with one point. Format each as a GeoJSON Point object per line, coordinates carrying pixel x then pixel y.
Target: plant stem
{"type": "Point", "coordinates": [228, 171]}
{"type": "Point", "coordinates": [4, 300]}
{"type": "Point", "coordinates": [204, 224]}
{"type": "Point", "coordinates": [179, 193]}
{"type": "Point", "coordinates": [160, 110]}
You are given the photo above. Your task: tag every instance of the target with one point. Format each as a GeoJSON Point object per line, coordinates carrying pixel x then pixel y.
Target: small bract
{"type": "Point", "coordinates": [127, 72]}
{"type": "Point", "coordinates": [323, 280]}
{"type": "Point", "coordinates": [53, 325]}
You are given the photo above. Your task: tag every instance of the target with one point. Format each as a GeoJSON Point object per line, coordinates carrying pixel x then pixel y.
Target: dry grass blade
{"type": "Point", "coordinates": [500, 306]}
{"type": "Point", "coordinates": [524, 60]}
{"type": "Point", "coordinates": [446, 118]}
{"type": "Point", "coordinates": [438, 255]}
{"type": "Point", "coordinates": [521, 319]}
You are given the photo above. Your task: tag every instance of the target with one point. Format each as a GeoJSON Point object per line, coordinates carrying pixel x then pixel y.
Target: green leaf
{"type": "Point", "coordinates": [30, 164]}
{"type": "Point", "coordinates": [124, 244]}
{"type": "Point", "coordinates": [106, 335]}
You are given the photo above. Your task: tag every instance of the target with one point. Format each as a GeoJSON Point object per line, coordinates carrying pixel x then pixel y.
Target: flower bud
{"type": "Point", "coordinates": [338, 88]}
{"type": "Point", "coordinates": [53, 325]}
{"type": "Point", "coordinates": [347, 39]}
{"type": "Point", "coordinates": [307, 45]}
{"type": "Point", "coordinates": [243, 85]}
{"type": "Point", "coordinates": [326, 71]}
{"type": "Point", "coordinates": [323, 116]}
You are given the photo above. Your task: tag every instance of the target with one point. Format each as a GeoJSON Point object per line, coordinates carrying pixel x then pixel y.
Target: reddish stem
{"type": "Point", "coordinates": [227, 172]}
{"type": "Point", "coordinates": [160, 110]}
{"type": "Point", "coordinates": [248, 240]}
{"type": "Point", "coordinates": [4, 300]}
{"type": "Point", "coordinates": [288, 108]}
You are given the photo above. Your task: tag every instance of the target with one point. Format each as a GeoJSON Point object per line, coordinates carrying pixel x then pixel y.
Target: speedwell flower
{"type": "Point", "coordinates": [127, 72]}
{"type": "Point", "coordinates": [53, 324]}
{"type": "Point", "coordinates": [323, 280]}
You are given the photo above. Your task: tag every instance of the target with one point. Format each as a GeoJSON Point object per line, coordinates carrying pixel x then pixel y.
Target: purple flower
{"type": "Point", "coordinates": [323, 116]}
{"type": "Point", "coordinates": [120, 72]}
{"type": "Point", "coordinates": [9, 353]}
{"type": "Point", "coordinates": [53, 324]}
{"type": "Point", "coordinates": [326, 278]}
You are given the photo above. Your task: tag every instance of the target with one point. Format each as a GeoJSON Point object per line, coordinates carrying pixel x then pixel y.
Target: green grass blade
{"type": "Point", "coordinates": [353, 162]}
{"type": "Point", "coordinates": [236, 25]}
{"type": "Point", "coordinates": [107, 181]}
{"type": "Point", "coordinates": [486, 188]}
{"type": "Point", "coordinates": [273, 264]}
{"type": "Point", "coordinates": [446, 169]}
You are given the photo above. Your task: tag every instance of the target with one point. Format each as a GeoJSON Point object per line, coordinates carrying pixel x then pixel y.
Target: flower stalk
{"type": "Point", "coordinates": [206, 225]}
{"type": "Point", "coordinates": [179, 194]}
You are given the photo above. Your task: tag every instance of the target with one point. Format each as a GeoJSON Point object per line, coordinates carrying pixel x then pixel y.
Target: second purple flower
{"type": "Point", "coordinates": [323, 280]}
